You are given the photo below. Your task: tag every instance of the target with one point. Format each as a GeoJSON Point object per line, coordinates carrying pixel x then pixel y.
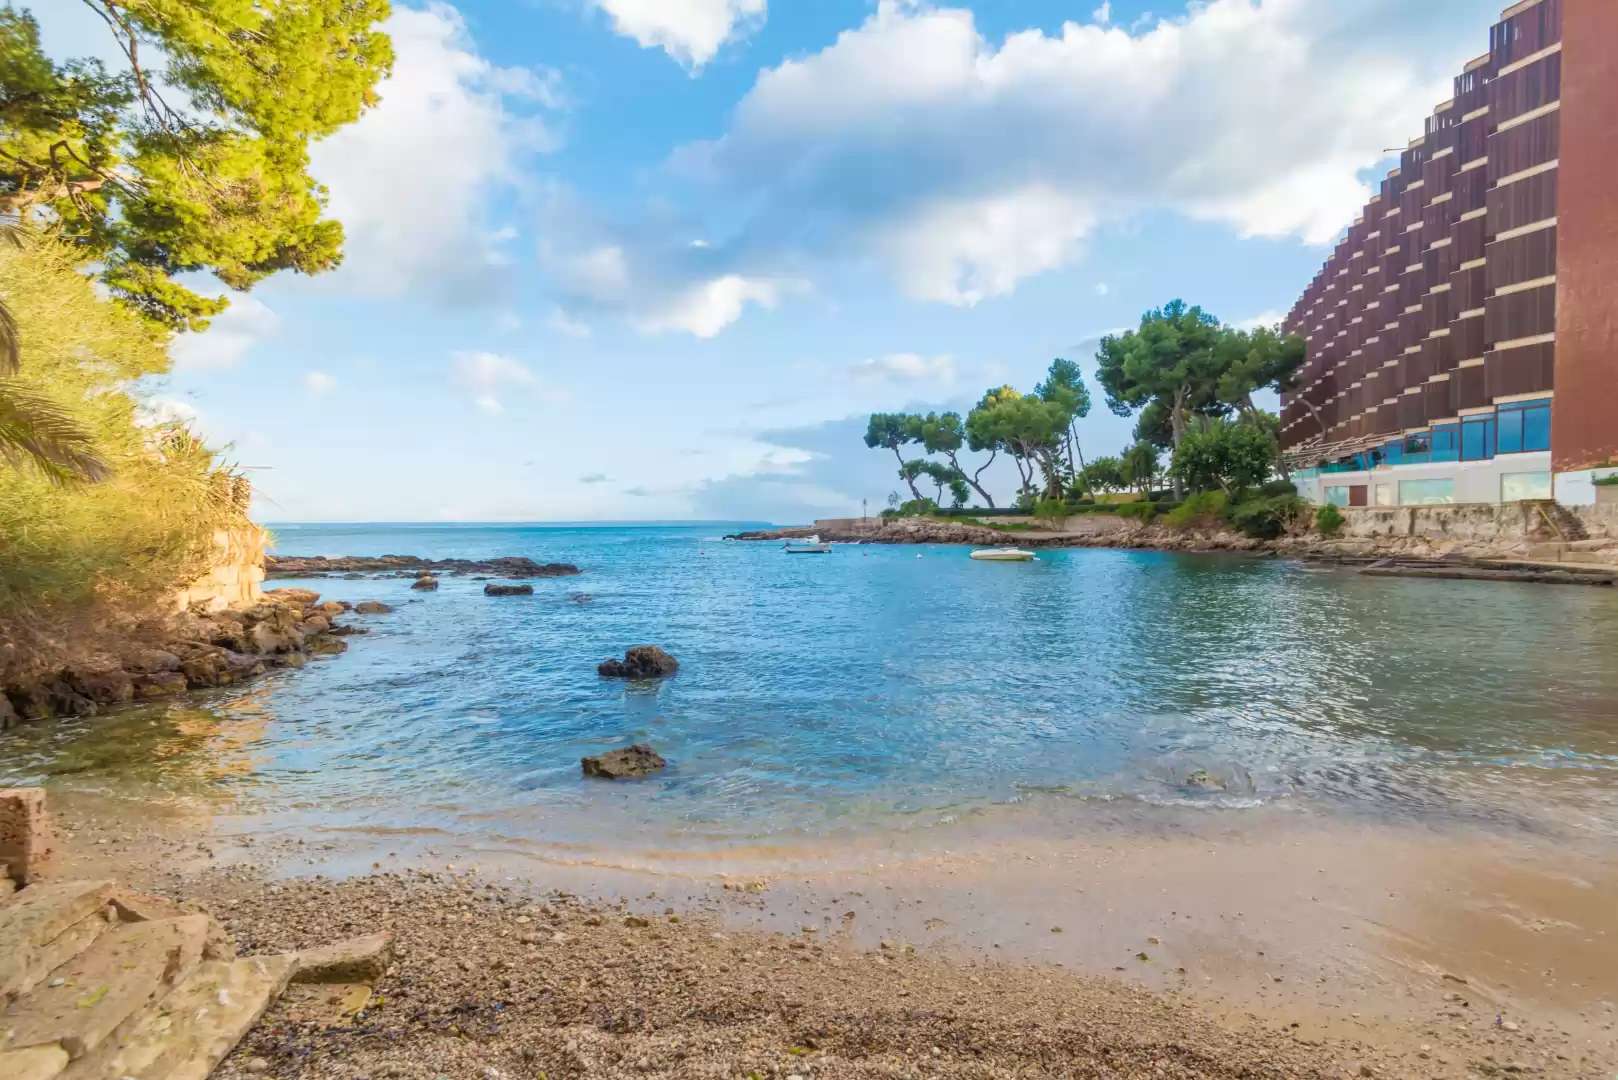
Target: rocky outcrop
{"type": "Point", "coordinates": [372, 607]}
{"type": "Point", "coordinates": [413, 566]}
{"type": "Point", "coordinates": [626, 764]}
{"type": "Point", "coordinates": [508, 590]}
{"type": "Point", "coordinates": [641, 662]}
{"type": "Point", "coordinates": [187, 652]}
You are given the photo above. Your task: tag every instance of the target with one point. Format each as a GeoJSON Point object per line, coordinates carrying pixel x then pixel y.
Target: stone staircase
{"type": "Point", "coordinates": [97, 983]}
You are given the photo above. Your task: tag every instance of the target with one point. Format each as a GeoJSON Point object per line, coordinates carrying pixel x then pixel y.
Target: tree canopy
{"type": "Point", "coordinates": [201, 165]}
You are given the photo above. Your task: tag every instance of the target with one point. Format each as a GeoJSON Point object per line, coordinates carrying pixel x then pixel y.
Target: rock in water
{"type": "Point", "coordinates": [625, 764]}
{"type": "Point", "coordinates": [371, 607]}
{"type": "Point", "coordinates": [508, 590]}
{"type": "Point", "coordinates": [641, 662]}
{"type": "Point", "coordinates": [426, 584]}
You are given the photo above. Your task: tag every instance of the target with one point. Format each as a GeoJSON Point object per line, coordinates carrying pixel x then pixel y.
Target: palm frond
{"type": "Point", "coordinates": [35, 430]}
{"type": "Point", "coordinates": [11, 232]}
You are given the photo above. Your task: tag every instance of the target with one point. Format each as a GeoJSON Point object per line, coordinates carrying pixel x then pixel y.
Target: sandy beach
{"type": "Point", "coordinates": [1288, 948]}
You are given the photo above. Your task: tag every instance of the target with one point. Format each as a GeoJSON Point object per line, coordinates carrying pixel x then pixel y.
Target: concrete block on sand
{"type": "Point", "coordinates": [25, 833]}
{"type": "Point", "coordinates": [357, 960]}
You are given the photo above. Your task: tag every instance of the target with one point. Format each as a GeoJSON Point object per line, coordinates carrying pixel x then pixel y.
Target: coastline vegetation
{"type": "Point", "coordinates": [1186, 377]}
{"type": "Point", "coordinates": [118, 190]}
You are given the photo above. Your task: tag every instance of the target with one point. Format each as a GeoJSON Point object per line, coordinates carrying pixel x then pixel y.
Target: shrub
{"type": "Point", "coordinates": [1050, 510]}
{"type": "Point", "coordinates": [1203, 509]}
{"type": "Point", "coordinates": [1264, 517]}
{"type": "Point", "coordinates": [91, 550]}
{"type": "Point", "coordinates": [1329, 520]}
{"type": "Point", "coordinates": [1278, 487]}
{"type": "Point", "coordinates": [1145, 511]}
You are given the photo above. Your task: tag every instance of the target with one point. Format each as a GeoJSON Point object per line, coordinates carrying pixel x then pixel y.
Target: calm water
{"type": "Point", "coordinates": [889, 687]}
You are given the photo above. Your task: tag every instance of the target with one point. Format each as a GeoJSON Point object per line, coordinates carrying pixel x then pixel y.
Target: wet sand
{"type": "Point", "coordinates": [1430, 950]}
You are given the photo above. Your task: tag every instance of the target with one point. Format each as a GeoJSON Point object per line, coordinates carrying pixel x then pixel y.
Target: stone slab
{"type": "Point", "coordinates": [87, 998]}
{"type": "Point", "coordinates": [46, 925]}
{"type": "Point", "coordinates": [189, 1032]}
{"type": "Point", "coordinates": [25, 834]}
{"type": "Point", "coordinates": [35, 1063]}
{"type": "Point", "coordinates": [357, 960]}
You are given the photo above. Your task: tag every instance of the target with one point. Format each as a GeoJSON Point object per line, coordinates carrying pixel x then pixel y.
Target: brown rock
{"type": "Point", "coordinates": [508, 590]}
{"type": "Point", "coordinates": [159, 684]}
{"type": "Point", "coordinates": [625, 764]}
{"type": "Point", "coordinates": [641, 662]}
{"type": "Point", "coordinates": [106, 686]}
{"type": "Point", "coordinates": [8, 716]}
{"type": "Point", "coordinates": [357, 960]}
{"type": "Point", "coordinates": [426, 584]}
{"type": "Point", "coordinates": [327, 646]}
{"type": "Point", "coordinates": [150, 661]}
{"type": "Point", "coordinates": [36, 930]}
{"type": "Point", "coordinates": [301, 597]}
{"type": "Point", "coordinates": [332, 608]}
{"type": "Point", "coordinates": [372, 607]}
{"type": "Point", "coordinates": [319, 624]}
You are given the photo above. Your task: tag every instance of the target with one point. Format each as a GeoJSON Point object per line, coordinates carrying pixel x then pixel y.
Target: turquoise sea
{"type": "Point", "coordinates": [880, 688]}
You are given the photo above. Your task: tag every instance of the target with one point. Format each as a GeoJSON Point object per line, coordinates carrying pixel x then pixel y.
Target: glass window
{"type": "Point", "coordinates": [1337, 496]}
{"type": "Point", "coordinates": [1446, 443]}
{"type": "Point", "coordinates": [1395, 452]}
{"type": "Point", "coordinates": [1510, 431]}
{"type": "Point", "coordinates": [1426, 492]}
{"type": "Point", "coordinates": [1525, 426]}
{"type": "Point", "coordinates": [1536, 428]}
{"type": "Point", "coordinates": [1477, 439]}
{"type": "Point", "coordinates": [1418, 450]}
{"type": "Point", "coordinates": [1384, 495]}
{"type": "Point", "coordinates": [1515, 487]}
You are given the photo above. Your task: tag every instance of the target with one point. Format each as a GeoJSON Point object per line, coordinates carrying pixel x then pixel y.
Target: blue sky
{"type": "Point", "coordinates": [654, 259]}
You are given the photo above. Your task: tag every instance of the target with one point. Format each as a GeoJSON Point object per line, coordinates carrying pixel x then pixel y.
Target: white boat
{"type": "Point", "coordinates": [1003, 555]}
{"type": "Point", "coordinates": [809, 545]}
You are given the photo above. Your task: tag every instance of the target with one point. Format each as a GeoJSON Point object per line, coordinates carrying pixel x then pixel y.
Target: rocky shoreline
{"type": "Point", "coordinates": [516, 567]}
{"type": "Point", "coordinates": [193, 651]}
{"type": "Point", "coordinates": [1413, 556]}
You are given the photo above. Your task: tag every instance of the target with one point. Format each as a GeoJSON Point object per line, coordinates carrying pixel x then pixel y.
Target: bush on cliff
{"type": "Point", "coordinates": [1329, 520]}
{"type": "Point", "coordinates": [1205, 509]}
{"type": "Point", "coordinates": [89, 550]}
{"type": "Point", "coordinates": [1265, 517]}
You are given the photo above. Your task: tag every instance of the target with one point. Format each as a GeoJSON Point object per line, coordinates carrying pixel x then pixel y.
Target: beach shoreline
{"type": "Point", "coordinates": [1359, 941]}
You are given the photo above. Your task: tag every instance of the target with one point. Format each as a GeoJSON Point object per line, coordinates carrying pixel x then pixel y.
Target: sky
{"type": "Point", "coordinates": [660, 259]}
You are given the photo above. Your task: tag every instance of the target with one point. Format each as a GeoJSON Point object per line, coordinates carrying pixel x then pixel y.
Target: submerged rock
{"type": "Point", "coordinates": [508, 590]}
{"type": "Point", "coordinates": [372, 607]}
{"type": "Point", "coordinates": [427, 583]}
{"type": "Point", "coordinates": [625, 764]}
{"type": "Point", "coordinates": [641, 662]}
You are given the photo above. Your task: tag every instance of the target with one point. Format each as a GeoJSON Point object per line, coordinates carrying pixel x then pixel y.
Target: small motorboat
{"type": "Point", "coordinates": [1003, 555]}
{"type": "Point", "coordinates": [809, 545]}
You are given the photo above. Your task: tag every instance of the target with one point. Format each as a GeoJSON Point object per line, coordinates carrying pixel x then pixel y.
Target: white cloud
{"type": "Point", "coordinates": [487, 376]}
{"type": "Point", "coordinates": [595, 478]}
{"type": "Point", "coordinates": [567, 326]}
{"type": "Point", "coordinates": [1102, 288]}
{"type": "Point", "coordinates": [691, 31]}
{"type": "Point", "coordinates": [966, 166]}
{"type": "Point", "coordinates": [319, 384]}
{"type": "Point", "coordinates": [1102, 14]}
{"type": "Point", "coordinates": [1266, 318]}
{"type": "Point", "coordinates": [905, 368]}
{"type": "Point", "coordinates": [412, 179]}
{"type": "Point", "coordinates": [710, 306]}
{"type": "Point", "coordinates": [164, 411]}
{"type": "Point", "coordinates": [229, 338]}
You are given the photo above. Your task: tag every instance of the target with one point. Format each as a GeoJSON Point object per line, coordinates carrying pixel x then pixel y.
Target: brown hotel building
{"type": "Point", "coordinates": [1463, 337]}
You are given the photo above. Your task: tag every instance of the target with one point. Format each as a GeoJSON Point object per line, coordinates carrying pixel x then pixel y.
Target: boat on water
{"type": "Point", "coordinates": [1003, 555]}
{"type": "Point", "coordinates": [809, 545]}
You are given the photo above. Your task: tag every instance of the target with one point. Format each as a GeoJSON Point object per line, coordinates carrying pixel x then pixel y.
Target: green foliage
{"type": "Point", "coordinates": [200, 166]}
{"type": "Point", "coordinates": [1202, 510]}
{"type": "Point", "coordinates": [1170, 362]}
{"type": "Point", "coordinates": [1278, 487]}
{"type": "Point", "coordinates": [1145, 511]}
{"type": "Point", "coordinates": [942, 476]}
{"type": "Point", "coordinates": [147, 528]}
{"type": "Point", "coordinates": [1265, 517]}
{"type": "Point", "coordinates": [1606, 481]}
{"type": "Point", "coordinates": [1226, 456]}
{"type": "Point", "coordinates": [1104, 474]}
{"type": "Point", "coordinates": [1139, 465]}
{"type": "Point", "coordinates": [1051, 510]}
{"type": "Point", "coordinates": [1329, 520]}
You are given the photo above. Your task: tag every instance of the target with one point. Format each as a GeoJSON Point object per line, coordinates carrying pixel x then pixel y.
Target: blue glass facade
{"type": "Point", "coordinates": [1519, 427]}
